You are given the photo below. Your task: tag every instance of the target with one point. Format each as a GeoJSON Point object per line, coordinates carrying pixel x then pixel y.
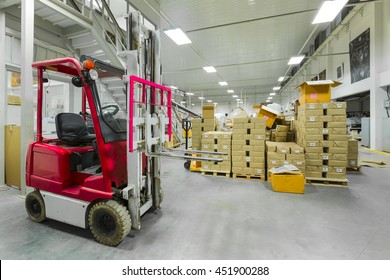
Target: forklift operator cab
{"type": "Point", "coordinates": [76, 176]}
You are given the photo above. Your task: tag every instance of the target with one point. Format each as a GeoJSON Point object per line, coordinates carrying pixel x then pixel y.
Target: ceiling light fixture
{"type": "Point", "coordinates": [272, 94]}
{"type": "Point", "coordinates": [235, 96]}
{"type": "Point", "coordinates": [209, 101]}
{"type": "Point", "coordinates": [269, 98]}
{"type": "Point", "coordinates": [268, 101]}
{"type": "Point", "coordinates": [281, 79]}
{"type": "Point", "coordinates": [193, 104]}
{"type": "Point", "coordinates": [296, 60]}
{"type": "Point", "coordinates": [329, 10]}
{"type": "Point", "coordinates": [209, 69]}
{"type": "Point", "coordinates": [230, 91]}
{"type": "Point", "coordinates": [189, 93]}
{"type": "Point", "coordinates": [276, 88]}
{"type": "Point", "coordinates": [178, 36]}
{"type": "Point", "coordinates": [173, 87]}
{"type": "Point", "coordinates": [201, 98]}
{"type": "Point", "coordinates": [238, 99]}
{"type": "Point", "coordinates": [223, 83]}
{"type": "Point", "coordinates": [215, 103]}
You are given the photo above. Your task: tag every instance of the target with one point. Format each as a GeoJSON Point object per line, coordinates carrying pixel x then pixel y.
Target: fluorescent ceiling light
{"type": "Point", "coordinates": [209, 69]}
{"type": "Point", "coordinates": [223, 83]}
{"type": "Point", "coordinates": [281, 79]}
{"type": "Point", "coordinates": [193, 104]}
{"type": "Point", "coordinates": [269, 98]}
{"type": "Point", "coordinates": [235, 96]}
{"type": "Point", "coordinates": [230, 91]}
{"type": "Point", "coordinates": [329, 11]}
{"type": "Point", "coordinates": [268, 101]}
{"type": "Point", "coordinates": [215, 103]}
{"type": "Point", "coordinates": [238, 99]}
{"type": "Point", "coordinates": [296, 60]}
{"type": "Point", "coordinates": [272, 94]}
{"type": "Point", "coordinates": [276, 88]}
{"type": "Point", "coordinates": [209, 101]}
{"type": "Point", "coordinates": [189, 93]}
{"type": "Point", "coordinates": [178, 36]}
{"type": "Point", "coordinates": [201, 98]}
{"type": "Point", "coordinates": [173, 87]}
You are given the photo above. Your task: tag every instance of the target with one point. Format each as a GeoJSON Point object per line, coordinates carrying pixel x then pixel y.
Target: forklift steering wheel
{"type": "Point", "coordinates": [115, 109]}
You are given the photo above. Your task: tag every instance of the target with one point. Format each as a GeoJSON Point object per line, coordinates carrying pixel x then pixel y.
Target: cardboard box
{"type": "Point", "coordinates": [276, 156]}
{"type": "Point", "coordinates": [310, 106]}
{"type": "Point", "coordinates": [332, 175]}
{"type": "Point", "coordinates": [240, 121]}
{"type": "Point", "coordinates": [311, 174]}
{"type": "Point", "coordinates": [291, 157]}
{"type": "Point", "coordinates": [325, 105]}
{"type": "Point", "coordinates": [338, 150]}
{"type": "Point", "coordinates": [337, 137]}
{"type": "Point", "coordinates": [338, 163]}
{"type": "Point", "coordinates": [257, 120]}
{"type": "Point", "coordinates": [290, 183]}
{"type": "Point", "coordinates": [312, 156]}
{"type": "Point", "coordinates": [353, 143]}
{"type": "Point", "coordinates": [339, 131]}
{"type": "Point", "coordinates": [339, 105]}
{"type": "Point", "coordinates": [314, 137]}
{"type": "Point", "coordinates": [249, 125]}
{"type": "Point", "coordinates": [208, 111]}
{"type": "Point", "coordinates": [336, 112]}
{"type": "Point", "coordinates": [280, 138]}
{"type": "Point", "coordinates": [316, 91]}
{"type": "Point", "coordinates": [337, 125]}
{"type": "Point", "coordinates": [339, 118]}
{"type": "Point", "coordinates": [313, 162]}
{"type": "Point", "coordinates": [339, 156]}
{"type": "Point", "coordinates": [311, 150]}
{"type": "Point", "coordinates": [268, 114]}
{"type": "Point", "coordinates": [282, 128]}
{"type": "Point", "coordinates": [325, 118]}
{"type": "Point", "coordinates": [316, 124]}
{"type": "Point", "coordinates": [327, 143]}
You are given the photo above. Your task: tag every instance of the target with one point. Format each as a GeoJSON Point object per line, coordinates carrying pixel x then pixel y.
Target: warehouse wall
{"type": "Point", "coordinates": [375, 16]}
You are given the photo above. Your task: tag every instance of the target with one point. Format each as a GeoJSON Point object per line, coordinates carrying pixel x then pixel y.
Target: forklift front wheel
{"type": "Point", "coordinates": [187, 165]}
{"type": "Point", "coordinates": [35, 206]}
{"type": "Point", "coordinates": [109, 222]}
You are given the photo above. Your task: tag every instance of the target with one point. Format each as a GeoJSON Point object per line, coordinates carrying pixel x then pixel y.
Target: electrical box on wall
{"type": "Point", "coordinates": [387, 103]}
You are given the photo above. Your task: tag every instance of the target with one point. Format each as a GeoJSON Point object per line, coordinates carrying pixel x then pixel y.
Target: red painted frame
{"type": "Point", "coordinates": [47, 162]}
{"type": "Point", "coordinates": [144, 98]}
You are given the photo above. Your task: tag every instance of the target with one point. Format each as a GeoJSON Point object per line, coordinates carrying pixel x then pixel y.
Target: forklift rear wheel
{"type": "Point", "coordinates": [35, 206]}
{"type": "Point", "coordinates": [187, 165]}
{"type": "Point", "coordinates": [109, 222]}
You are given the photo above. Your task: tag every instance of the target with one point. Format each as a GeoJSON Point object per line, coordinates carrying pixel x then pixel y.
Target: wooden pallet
{"type": "Point", "coordinates": [329, 182]}
{"type": "Point", "coordinates": [216, 173]}
{"type": "Point", "coordinates": [354, 170]}
{"type": "Point", "coordinates": [248, 177]}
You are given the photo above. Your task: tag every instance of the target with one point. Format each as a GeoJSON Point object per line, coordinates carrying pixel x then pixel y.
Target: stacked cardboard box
{"type": "Point", "coordinates": [248, 143]}
{"type": "Point", "coordinates": [353, 153]}
{"type": "Point", "coordinates": [217, 141]}
{"type": "Point", "coordinates": [199, 126]}
{"type": "Point", "coordinates": [279, 153]}
{"type": "Point", "coordinates": [321, 130]}
{"type": "Point", "coordinates": [281, 133]}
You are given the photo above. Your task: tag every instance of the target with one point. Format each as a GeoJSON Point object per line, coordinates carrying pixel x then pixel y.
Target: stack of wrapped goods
{"type": "Point", "coordinates": [199, 126]}
{"type": "Point", "coordinates": [322, 132]}
{"type": "Point", "coordinates": [217, 141]}
{"type": "Point", "coordinates": [248, 148]}
{"type": "Point", "coordinates": [353, 158]}
{"type": "Point", "coordinates": [279, 153]}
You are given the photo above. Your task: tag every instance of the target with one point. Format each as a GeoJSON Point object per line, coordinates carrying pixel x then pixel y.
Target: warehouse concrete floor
{"type": "Point", "coordinates": [220, 218]}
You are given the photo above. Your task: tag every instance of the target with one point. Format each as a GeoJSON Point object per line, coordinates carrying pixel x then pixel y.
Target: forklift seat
{"type": "Point", "coordinates": [72, 130]}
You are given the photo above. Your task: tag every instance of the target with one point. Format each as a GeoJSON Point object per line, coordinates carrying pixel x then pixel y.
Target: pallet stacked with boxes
{"type": "Point", "coordinates": [248, 144]}
{"type": "Point", "coordinates": [321, 130]}
{"type": "Point", "coordinates": [279, 153]}
{"type": "Point", "coordinates": [353, 155]}
{"type": "Point", "coordinates": [205, 124]}
{"type": "Point", "coordinates": [217, 141]}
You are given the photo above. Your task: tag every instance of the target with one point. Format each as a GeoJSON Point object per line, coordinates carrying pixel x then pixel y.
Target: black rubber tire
{"type": "Point", "coordinates": [35, 206]}
{"type": "Point", "coordinates": [187, 165]}
{"type": "Point", "coordinates": [109, 222]}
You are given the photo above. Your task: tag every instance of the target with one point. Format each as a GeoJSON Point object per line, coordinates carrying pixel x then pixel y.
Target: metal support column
{"type": "Point", "coordinates": [3, 96]}
{"type": "Point", "coordinates": [27, 110]}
